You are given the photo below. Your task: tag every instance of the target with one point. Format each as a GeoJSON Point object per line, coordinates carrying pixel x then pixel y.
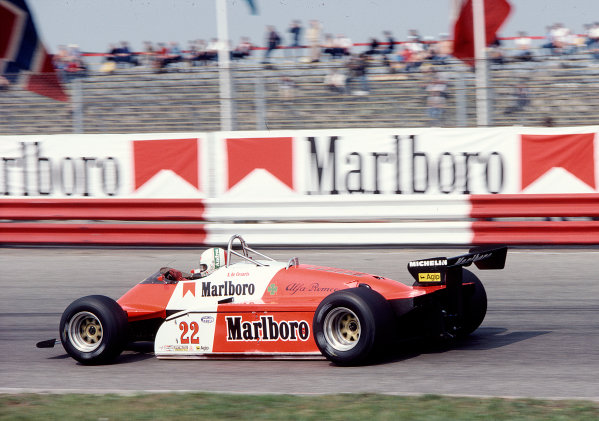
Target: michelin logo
{"type": "Point", "coordinates": [434, 262]}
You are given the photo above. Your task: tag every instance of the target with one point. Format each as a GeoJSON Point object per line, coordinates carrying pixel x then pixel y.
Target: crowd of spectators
{"type": "Point", "coordinates": [311, 45]}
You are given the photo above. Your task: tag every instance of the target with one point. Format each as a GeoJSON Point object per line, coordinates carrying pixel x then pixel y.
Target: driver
{"type": "Point", "coordinates": [210, 260]}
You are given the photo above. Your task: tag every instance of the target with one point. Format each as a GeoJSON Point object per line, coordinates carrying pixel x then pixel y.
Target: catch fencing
{"type": "Point", "coordinates": [560, 91]}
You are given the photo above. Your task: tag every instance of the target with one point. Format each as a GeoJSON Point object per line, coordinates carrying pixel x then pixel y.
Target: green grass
{"type": "Point", "coordinates": [204, 406]}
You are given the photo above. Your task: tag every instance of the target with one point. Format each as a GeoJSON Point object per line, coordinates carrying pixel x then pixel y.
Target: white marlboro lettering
{"type": "Point", "coordinates": [420, 263]}
{"type": "Point", "coordinates": [226, 289]}
{"type": "Point", "coordinates": [266, 329]}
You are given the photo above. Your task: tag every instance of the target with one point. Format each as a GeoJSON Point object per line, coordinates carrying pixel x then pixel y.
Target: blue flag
{"type": "Point", "coordinates": [22, 49]}
{"type": "Point", "coordinates": [253, 7]}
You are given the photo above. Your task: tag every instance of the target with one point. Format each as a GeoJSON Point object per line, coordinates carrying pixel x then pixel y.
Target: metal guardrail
{"type": "Point", "coordinates": [475, 219]}
{"type": "Point", "coordinates": [291, 95]}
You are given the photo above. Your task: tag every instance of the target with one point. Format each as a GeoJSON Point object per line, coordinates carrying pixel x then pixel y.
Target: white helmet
{"type": "Point", "coordinates": [212, 259]}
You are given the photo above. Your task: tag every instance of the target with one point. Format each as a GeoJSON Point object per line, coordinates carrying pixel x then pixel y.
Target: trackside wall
{"type": "Point", "coordinates": [327, 187]}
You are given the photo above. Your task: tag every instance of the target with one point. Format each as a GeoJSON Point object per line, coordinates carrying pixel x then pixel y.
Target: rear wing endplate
{"type": "Point", "coordinates": [433, 271]}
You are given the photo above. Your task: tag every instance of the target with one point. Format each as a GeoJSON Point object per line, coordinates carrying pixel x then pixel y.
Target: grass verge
{"type": "Point", "coordinates": [205, 406]}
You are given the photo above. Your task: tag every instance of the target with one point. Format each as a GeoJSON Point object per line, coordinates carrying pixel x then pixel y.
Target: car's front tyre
{"type": "Point", "coordinates": [93, 329]}
{"type": "Point", "coordinates": [353, 326]}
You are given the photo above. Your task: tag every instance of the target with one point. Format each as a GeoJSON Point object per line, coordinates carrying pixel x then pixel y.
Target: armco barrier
{"type": "Point", "coordinates": [534, 205]}
{"type": "Point", "coordinates": [103, 209]}
{"type": "Point", "coordinates": [535, 232]}
{"type": "Point", "coordinates": [307, 220]}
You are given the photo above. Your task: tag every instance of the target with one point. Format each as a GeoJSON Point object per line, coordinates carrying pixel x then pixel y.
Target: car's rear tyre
{"type": "Point", "coordinates": [474, 304]}
{"type": "Point", "coordinates": [353, 326]}
{"type": "Point", "coordinates": [93, 329]}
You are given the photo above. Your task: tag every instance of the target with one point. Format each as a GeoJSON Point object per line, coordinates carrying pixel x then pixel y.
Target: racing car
{"type": "Point", "coordinates": [242, 303]}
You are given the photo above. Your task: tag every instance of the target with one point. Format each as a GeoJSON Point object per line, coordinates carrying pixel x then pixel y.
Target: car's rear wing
{"type": "Point", "coordinates": [434, 271]}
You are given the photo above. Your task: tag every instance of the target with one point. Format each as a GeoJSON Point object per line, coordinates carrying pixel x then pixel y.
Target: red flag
{"type": "Point", "coordinates": [496, 12]}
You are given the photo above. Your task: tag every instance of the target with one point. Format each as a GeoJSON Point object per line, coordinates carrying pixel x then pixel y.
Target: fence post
{"type": "Point", "coordinates": [460, 101]}
{"type": "Point", "coordinates": [260, 103]}
{"type": "Point", "coordinates": [77, 106]}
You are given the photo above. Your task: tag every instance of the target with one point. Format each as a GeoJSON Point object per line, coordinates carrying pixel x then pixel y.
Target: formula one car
{"type": "Point", "coordinates": [259, 307]}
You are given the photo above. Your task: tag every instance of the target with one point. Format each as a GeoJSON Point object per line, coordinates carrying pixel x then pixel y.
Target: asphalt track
{"type": "Point", "coordinates": [540, 338]}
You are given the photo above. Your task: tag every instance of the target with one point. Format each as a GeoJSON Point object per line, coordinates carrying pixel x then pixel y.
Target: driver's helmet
{"type": "Point", "coordinates": [212, 259]}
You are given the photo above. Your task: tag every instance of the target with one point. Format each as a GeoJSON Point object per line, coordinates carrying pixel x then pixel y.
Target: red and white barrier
{"type": "Point", "coordinates": [319, 220]}
{"type": "Point", "coordinates": [308, 187]}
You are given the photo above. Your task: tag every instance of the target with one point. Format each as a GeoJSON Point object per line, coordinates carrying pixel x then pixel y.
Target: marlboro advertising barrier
{"type": "Point", "coordinates": [333, 180]}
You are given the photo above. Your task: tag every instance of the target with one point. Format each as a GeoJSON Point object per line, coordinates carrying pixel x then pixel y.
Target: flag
{"type": "Point", "coordinates": [253, 7]}
{"type": "Point", "coordinates": [22, 49]}
{"type": "Point", "coordinates": [496, 12]}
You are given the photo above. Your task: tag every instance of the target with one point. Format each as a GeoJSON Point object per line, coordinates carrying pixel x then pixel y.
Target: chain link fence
{"type": "Point", "coordinates": [559, 91]}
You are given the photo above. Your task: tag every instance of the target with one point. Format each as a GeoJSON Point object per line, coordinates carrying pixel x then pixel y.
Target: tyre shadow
{"type": "Point", "coordinates": [484, 338]}
{"type": "Point", "coordinates": [137, 351]}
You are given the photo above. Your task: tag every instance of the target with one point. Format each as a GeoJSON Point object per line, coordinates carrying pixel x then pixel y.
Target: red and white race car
{"type": "Point", "coordinates": [260, 307]}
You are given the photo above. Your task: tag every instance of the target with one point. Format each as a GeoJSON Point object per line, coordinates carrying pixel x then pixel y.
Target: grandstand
{"type": "Point", "coordinates": [560, 90]}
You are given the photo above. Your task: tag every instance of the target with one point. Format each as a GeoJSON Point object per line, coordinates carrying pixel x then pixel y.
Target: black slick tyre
{"type": "Point", "coordinates": [474, 304]}
{"type": "Point", "coordinates": [353, 326]}
{"type": "Point", "coordinates": [93, 329]}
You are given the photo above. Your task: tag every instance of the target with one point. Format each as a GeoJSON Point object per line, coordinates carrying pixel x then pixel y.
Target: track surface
{"type": "Point", "coordinates": [540, 337]}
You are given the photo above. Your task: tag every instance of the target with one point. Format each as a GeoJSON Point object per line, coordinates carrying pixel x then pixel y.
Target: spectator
{"type": "Point", "coordinates": [495, 52]}
{"type": "Point", "coordinates": [295, 30]}
{"type": "Point", "coordinates": [273, 40]}
{"type": "Point", "coordinates": [437, 96]}
{"type": "Point", "coordinates": [167, 55]}
{"type": "Point", "coordinates": [75, 66]}
{"type": "Point", "coordinates": [414, 35]}
{"type": "Point", "coordinates": [149, 54]}
{"type": "Point", "coordinates": [373, 47]}
{"type": "Point", "coordinates": [390, 48]}
{"type": "Point", "coordinates": [4, 83]}
{"type": "Point", "coordinates": [335, 47]}
{"type": "Point", "coordinates": [335, 81]}
{"type": "Point", "coordinates": [560, 37]}
{"type": "Point", "coordinates": [522, 96]}
{"type": "Point", "coordinates": [61, 58]}
{"type": "Point", "coordinates": [287, 88]}
{"type": "Point", "coordinates": [439, 52]}
{"type": "Point", "coordinates": [242, 50]}
{"type": "Point", "coordinates": [593, 40]}
{"type": "Point", "coordinates": [550, 43]}
{"type": "Point", "coordinates": [414, 43]}
{"type": "Point", "coordinates": [175, 55]}
{"type": "Point", "coordinates": [313, 37]}
{"type": "Point", "coordinates": [593, 36]}
{"type": "Point", "coordinates": [343, 42]}
{"type": "Point", "coordinates": [523, 45]}
{"type": "Point", "coordinates": [357, 66]}
{"type": "Point", "coordinates": [327, 44]}
{"type": "Point", "coordinates": [191, 53]}
{"type": "Point", "coordinates": [412, 59]}
{"type": "Point", "coordinates": [123, 55]}
{"type": "Point", "coordinates": [435, 107]}
{"type": "Point", "coordinates": [211, 52]}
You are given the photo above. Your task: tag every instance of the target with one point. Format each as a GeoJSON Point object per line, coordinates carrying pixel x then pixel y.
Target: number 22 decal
{"type": "Point", "coordinates": [194, 332]}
